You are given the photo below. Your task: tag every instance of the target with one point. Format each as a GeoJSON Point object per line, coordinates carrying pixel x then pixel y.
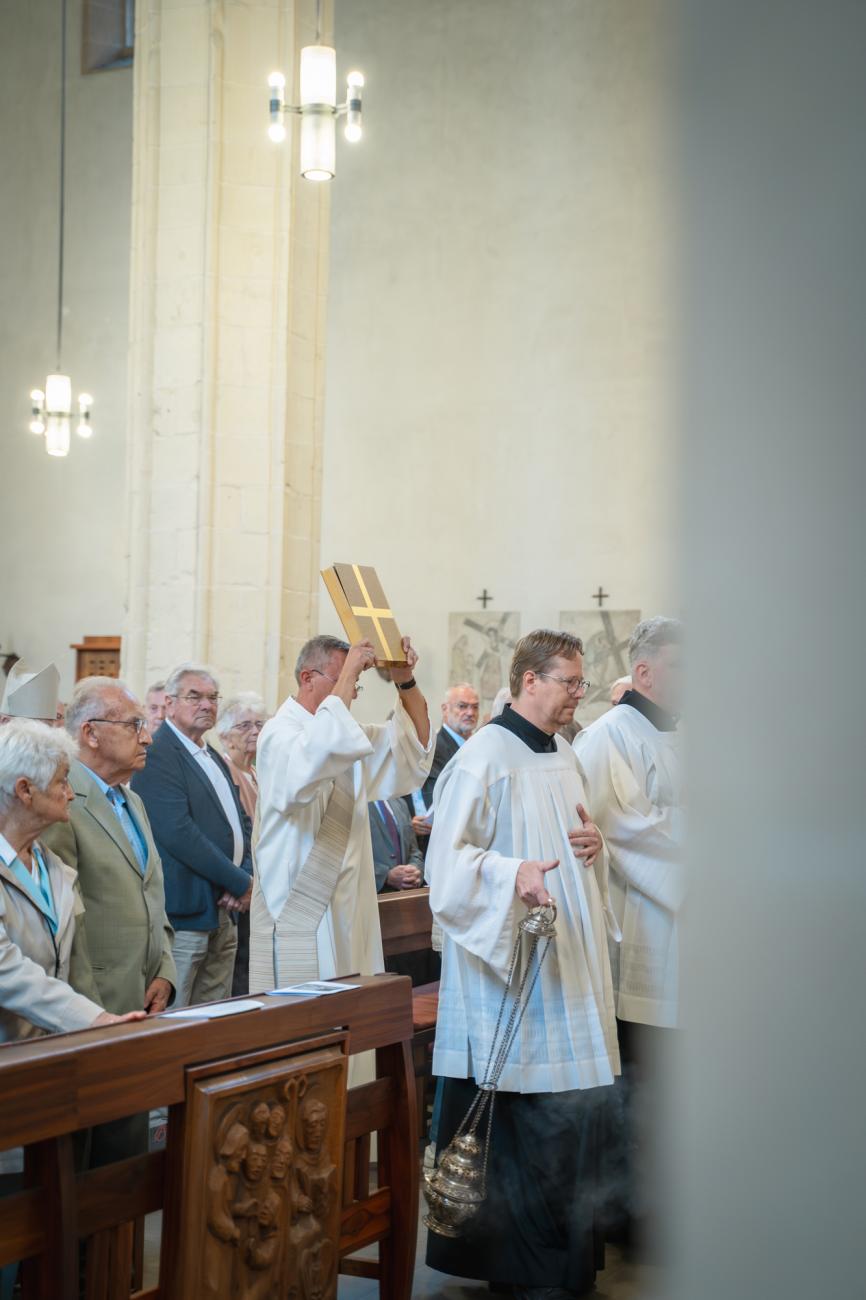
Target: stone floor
{"type": "Point", "coordinates": [619, 1281]}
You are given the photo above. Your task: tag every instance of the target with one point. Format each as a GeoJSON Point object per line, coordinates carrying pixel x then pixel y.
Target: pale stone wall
{"type": "Point", "coordinates": [63, 571]}
{"type": "Point", "coordinates": [497, 344]}
{"type": "Point", "coordinates": [498, 404]}
{"type": "Point", "coordinates": [229, 274]}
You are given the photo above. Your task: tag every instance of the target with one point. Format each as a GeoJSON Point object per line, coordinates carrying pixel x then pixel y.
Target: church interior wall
{"type": "Point", "coordinates": [64, 520]}
{"type": "Point", "coordinates": [497, 404]}
{"type": "Point", "coordinates": [497, 409]}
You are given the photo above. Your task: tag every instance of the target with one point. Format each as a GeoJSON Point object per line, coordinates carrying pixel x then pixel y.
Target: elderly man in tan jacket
{"type": "Point", "coordinates": [109, 842]}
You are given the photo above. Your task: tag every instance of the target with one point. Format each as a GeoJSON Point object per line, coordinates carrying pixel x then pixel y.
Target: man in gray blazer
{"type": "Point", "coordinates": [108, 841]}
{"type": "Point", "coordinates": [399, 864]}
{"type": "Point", "coordinates": [397, 858]}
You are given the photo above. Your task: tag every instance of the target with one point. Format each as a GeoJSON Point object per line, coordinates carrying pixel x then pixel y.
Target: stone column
{"type": "Point", "coordinates": [229, 277]}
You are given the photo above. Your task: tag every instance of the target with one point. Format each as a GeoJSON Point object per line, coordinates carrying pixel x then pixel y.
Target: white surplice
{"type": "Point", "coordinates": [300, 757]}
{"type": "Point", "coordinates": [635, 798]}
{"type": "Point", "coordinates": [497, 804]}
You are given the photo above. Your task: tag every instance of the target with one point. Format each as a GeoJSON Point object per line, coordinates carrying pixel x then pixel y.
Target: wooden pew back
{"type": "Point", "coordinates": [406, 921]}
{"type": "Point", "coordinates": [56, 1086]}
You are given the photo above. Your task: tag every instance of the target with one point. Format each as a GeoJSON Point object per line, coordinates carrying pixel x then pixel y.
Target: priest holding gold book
{"type": "Point", "coordinates": [314, 912]}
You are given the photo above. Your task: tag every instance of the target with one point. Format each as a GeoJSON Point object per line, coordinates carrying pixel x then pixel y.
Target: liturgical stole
{"type": "Point", "coordinates": [295, 952]}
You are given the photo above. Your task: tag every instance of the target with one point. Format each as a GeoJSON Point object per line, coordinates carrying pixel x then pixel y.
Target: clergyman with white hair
{"type": "Point", "coordinates": [631, 757]}
{"type": "Point", "coordinates": [202, 833]}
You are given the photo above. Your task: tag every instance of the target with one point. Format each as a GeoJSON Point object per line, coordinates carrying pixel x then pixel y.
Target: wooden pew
{"type": "Point", "coordinates": [56, 1086]}
{"type": "Point", "coordinates": [406, 920]}
{"type": "Point", "coordinates": [407, 923]}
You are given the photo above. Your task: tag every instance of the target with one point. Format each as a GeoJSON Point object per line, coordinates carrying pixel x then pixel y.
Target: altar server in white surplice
{"type": "Point", "coordinates": [314, 912]}
{"type": "Point", "coordinates": [631, 759]}
{"type": "Point", "coordinates": [510, 824]}
{"type": "Point", "coordinates": [632, 763]}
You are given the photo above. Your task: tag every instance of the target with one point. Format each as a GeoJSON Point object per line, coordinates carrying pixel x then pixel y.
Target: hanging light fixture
{"type": "Point", "coordinates": [318, 108]}
{"type": "Point", "coordinates": [51, 407]}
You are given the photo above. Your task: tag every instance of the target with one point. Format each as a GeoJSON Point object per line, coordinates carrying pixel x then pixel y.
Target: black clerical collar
{"type": "Point", "coordinates": [537, 740]}
{"type": "Point", "coordinates": [659, 717]}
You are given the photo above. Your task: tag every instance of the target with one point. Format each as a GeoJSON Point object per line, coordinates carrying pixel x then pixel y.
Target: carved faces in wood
{"type": "Point", "coordinates": [314, 1125]}
{"type": "Point", "coordinates": [272, 1187]}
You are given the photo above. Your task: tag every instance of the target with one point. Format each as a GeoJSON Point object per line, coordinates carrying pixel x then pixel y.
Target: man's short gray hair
{"type": "Point", "coordinates": [174, 681]}
{"type": "Point", "coordinates": [651, 635]}
{"type": "Point", "coordinates": [154, 686]}
{"type": "Point", "coordinates": [88, 701]}
{"type": "Point", "coordinates": [317, 652]}
{"type": "Point", "coordinates": [245, 702]}
{"type": "Point", "coordinates": [460, 686]}
{"type": "Point", "coordinates": [32, 750]}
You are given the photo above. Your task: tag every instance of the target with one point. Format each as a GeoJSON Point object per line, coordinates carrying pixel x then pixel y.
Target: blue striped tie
{"type": "Point", "coordinates": [130, 829]}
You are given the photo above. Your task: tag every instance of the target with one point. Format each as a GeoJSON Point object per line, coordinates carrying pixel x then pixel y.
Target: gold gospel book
{"type": "Point", "coordinates": [364, 611]}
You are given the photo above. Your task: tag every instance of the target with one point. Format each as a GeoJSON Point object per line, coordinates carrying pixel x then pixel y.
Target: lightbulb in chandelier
{"type": "Point", "coordinates": [84, 428]}
{"type": "Point", "coordinates": [277, 83]}
{"type": "Point", "coordinates": [355, 85]}
{"type": "Point", "coordinates": [37, 411]}
{"type": "Point", "coordinates": [51, 414]}
{"type": "Point", "coordinates": [318, 110]}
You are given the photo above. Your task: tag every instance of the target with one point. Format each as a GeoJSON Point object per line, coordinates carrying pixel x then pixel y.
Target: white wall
{"type": "Point", "coordinates": [64, 541]}
{"type": "Point", "coordinates": [496, 400]}
{"type": "Point", "coordinates": [496, 409]}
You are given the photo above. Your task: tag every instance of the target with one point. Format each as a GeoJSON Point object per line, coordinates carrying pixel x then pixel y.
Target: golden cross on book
{"type": "Point", "coordinates": [364, 611]}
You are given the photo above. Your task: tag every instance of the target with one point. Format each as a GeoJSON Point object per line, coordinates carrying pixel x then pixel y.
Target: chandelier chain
{"type": "Point", "coordinates": [60, 251]}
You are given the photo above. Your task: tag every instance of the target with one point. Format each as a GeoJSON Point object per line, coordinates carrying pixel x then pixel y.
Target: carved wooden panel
{"type": "Point", "coordinates": [260, 1216]}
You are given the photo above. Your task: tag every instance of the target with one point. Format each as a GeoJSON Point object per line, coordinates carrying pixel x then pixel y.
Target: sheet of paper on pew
{"type": "Point", "coordinates": [213, 1010]}
{"type": "Point", "coordinates": [312, 989]}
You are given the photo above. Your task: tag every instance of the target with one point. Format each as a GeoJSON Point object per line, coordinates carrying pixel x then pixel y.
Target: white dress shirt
{"type": "Point", "coordinates": [220, 783]}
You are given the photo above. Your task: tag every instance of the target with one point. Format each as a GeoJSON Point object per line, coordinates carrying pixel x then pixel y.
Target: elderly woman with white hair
{"type": "Point", "coordinates": [41, 947]}
{"type": "Point", "coordinates": [239, 726]}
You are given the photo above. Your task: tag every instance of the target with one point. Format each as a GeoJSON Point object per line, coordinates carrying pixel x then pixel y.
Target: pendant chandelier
{"type": "Point", "coordinates": [51, 411]}
{"type": "Point", "coordinates": [318, 109]}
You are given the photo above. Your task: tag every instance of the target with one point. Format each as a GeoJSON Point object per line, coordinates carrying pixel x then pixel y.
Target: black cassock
{"type": "Point", "coordinates": [541, 1224]}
